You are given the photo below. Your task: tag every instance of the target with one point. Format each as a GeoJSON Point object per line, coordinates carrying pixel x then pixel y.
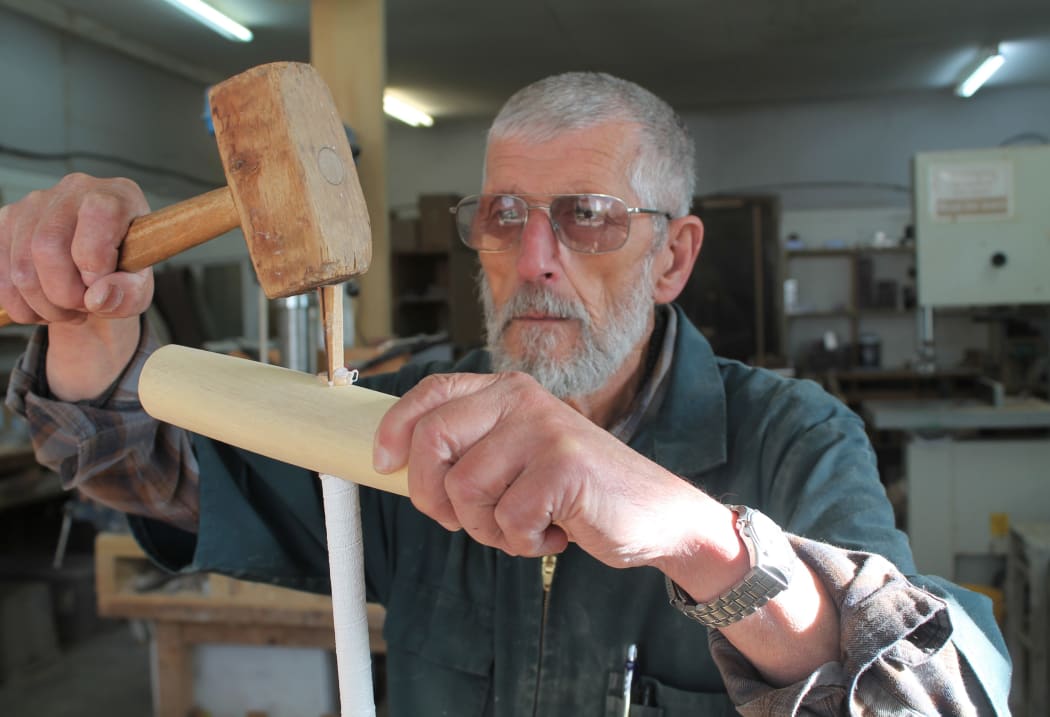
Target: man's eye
{"type": "Point", "coordinates": [588, 217]}
{"type": "Point", "coordinates": [508, 217]}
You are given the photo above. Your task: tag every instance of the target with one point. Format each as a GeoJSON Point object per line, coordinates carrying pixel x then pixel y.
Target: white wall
{"type": "Point", "coordinates": [64, 95]}
{"type": "Point", "coordinates": [442, 159]}
{"type": "Point", "coordinates": [860, 141]}
{"type": "Point", "coordinates": [838, 146]}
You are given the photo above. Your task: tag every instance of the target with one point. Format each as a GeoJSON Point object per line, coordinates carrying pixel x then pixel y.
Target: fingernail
{"type": "Point", "coordinates": [381, 459]}
{"type": "Point", "coordinates": [109, 301]}
{"type": "Point", "coordinates": [114, 297]}
{"type": "Point", "coordinates": [94, 302]}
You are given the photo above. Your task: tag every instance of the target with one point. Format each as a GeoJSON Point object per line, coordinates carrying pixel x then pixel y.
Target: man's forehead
{"type": "Point", "coordinates": [576, 162]}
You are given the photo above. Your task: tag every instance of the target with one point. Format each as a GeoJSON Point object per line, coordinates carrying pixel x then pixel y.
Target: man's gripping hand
{"type": "Point", "coordinates": [58, 266]}
{"type": "Point", "coordinates": [519, 470]}
{"type": "Point", "coordinates": [59, 249]}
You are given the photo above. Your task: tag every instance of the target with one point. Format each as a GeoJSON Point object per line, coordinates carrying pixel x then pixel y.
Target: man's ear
{"type": "Point", "coordinates": [674, 262]}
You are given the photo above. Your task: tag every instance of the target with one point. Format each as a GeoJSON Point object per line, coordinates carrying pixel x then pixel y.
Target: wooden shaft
{"type": "Point", "coordinates": [270, 410]}
{"type": "Point", "coordinates": [166, 232]}
{"type": "Point", "coordinates": [332, 325]}
{"type": "Point", "coordinates": [174, 229]}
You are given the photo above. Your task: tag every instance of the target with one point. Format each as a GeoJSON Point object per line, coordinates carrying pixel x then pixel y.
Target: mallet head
{"type": "Point", "coordinates": [291, 173]}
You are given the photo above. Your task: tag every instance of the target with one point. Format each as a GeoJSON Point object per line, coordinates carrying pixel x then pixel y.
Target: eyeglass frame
{"type": "Point", "coordinates": [454, 211]}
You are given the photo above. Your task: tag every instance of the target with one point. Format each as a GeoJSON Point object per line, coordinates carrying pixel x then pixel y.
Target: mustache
{"type": "Point", "coordinates": [534, 299]}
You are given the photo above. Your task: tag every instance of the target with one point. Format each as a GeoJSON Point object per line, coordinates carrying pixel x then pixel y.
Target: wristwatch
{"type": "Point", "coordinates": [772, 560]}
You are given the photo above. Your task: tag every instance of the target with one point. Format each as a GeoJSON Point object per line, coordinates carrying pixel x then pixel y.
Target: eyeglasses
{"type": "Point", "coordinates": [587, 223]}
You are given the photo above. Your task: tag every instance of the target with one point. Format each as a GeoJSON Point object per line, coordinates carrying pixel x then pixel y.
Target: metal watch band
{"type": "Point", "coordinates": [764, 581]}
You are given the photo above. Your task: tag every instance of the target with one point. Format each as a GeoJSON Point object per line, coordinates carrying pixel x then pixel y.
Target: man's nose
{"type": "Point", "coordinates": [539, 249]}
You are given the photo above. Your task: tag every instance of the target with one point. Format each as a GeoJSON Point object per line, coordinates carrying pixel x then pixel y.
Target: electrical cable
{"type": "Point", "coordinates": [818, 184]}
{"type": "Point", "coordinates": [1026, 137]}
{"type": "Point", "coordinates": [131, 164]}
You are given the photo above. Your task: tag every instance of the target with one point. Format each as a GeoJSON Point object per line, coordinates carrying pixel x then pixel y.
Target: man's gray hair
{"type": "Point", "coordinates": [662, 174]}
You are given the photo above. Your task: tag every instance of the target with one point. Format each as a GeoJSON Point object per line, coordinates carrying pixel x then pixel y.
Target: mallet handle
{"type": "Point", "coordinates": [169, 231]}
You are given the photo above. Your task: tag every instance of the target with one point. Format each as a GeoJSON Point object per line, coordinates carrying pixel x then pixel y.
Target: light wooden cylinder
{"type": "Point", "coordinates": [270, 410]}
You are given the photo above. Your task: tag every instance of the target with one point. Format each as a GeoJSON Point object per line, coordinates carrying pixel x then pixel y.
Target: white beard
{"type": "Point", "coordinates": [598, 353]}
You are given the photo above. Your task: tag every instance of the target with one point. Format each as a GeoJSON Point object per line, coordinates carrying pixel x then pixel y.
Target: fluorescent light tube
{"type": "Point", "coordinates": [204, 13]}
{"type": "Point", "coordinates": [990, 60]}
{"type": "Point", "coordinates": [405, 111]}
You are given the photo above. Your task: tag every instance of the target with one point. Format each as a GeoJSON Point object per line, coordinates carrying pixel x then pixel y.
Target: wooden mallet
{"type": "Point", "coordinates": [294, 191]}
{"type": "Point", "coordinates": [292, 187]}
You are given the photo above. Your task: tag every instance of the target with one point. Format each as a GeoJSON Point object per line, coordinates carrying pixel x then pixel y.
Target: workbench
{"type": "Point", "coordinates": [971, 469]}
{"type": "Point", "coordinates": [213, 610]}
{"type": "Point", "coordinates": [1028, 618]}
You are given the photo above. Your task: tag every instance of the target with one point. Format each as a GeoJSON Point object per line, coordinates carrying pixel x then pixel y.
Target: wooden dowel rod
{"type": "Point", "coordinates": [332, 325]}
{"type": "Point", "coordinates": [270, 410]}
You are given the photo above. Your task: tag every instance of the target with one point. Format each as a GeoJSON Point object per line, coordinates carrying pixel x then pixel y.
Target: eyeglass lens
{"type": "Point", "coordinates": [589, 223]}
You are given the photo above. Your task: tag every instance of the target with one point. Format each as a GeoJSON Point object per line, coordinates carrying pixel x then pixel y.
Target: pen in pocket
{"type": "Point", "coordinates": [628, 677]}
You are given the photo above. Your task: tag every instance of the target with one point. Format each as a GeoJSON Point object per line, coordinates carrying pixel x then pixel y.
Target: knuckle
{"type": "Point", "coordinates": [35, 197]}
{"type": "Point", "coordinates": [435, 437]}
{"type": "Point", "coordinates": [519, 381]}
{"type": "Point", "coordinates": [524, 388]}
{"type": "Point", "coordinates": [512, 520]}
{"type": "Point", "coordinates": [23, 275]}
{"type": "Point", "coordinates": [20, 313]}
{"type": "Point", "coordinates": [464, 490]}
{"type": "Point", "coordinates": [434, 505]}
{"type": "Point", "coordinates": [74, 181]}
{"type": "Point", "coordinates": [439, 385]}
{"type": "Point", "coordinates": [101, 205]}
{"type": "Point", "coordinates": [46, 244]}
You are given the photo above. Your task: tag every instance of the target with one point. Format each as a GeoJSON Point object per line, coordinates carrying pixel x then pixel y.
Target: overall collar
{"type": "Point", "coordinates": [686, 433]}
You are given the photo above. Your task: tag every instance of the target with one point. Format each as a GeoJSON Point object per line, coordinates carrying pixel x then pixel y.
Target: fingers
{"type": "Point", "coordinates": [437, 425]}
{"type": "Point", "coordinates": [394, 435]}
{"type": "Point", "coordinates": [57, 244]}
{"type": "Point", "coordinates": [474, 453]}
{"type": "Point", "coordinates": [121, 294]}
{"type": "Point", "coordinates": [17, 273]}
{"type": "Point", "coordinates": [508, 497]}
{"type": "Point", "coordinates": [103, 218]}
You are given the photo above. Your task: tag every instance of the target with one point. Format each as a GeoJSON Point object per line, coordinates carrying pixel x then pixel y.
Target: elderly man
{"type": "Point", "coordinates": [593, 465]}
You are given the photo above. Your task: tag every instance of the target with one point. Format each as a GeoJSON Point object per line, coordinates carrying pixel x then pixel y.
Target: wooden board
{"type": "Point", "coordinates": [212, 600]}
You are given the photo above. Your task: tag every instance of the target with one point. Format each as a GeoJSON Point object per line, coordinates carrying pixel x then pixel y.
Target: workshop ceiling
{"type": "Point", "coordinates": [462, 58]}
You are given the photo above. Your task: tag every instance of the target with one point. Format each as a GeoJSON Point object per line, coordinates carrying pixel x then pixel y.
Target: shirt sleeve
{"type": "Point", "coordinates": [901, 648]}
{"type": "Point", "coordinates": [109, 448]}
{"type": "Point", "coordinates": [908, 643]}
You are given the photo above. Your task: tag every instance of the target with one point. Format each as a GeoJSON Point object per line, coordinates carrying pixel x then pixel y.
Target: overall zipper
{"type": "Point", "coordinates": [547, 565]}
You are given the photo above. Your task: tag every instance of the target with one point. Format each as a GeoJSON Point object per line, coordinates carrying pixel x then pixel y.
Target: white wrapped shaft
{"type": "Point", "coordinates": [270, 410]}
{"type": "Point", "coordinates": [346, 562]}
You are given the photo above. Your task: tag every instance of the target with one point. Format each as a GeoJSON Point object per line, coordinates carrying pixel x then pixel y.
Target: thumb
{"type": "Point", "coordinates": [555, 540]}
{"type": "Point", "coordinates": [393, 436]}
{"type": "Point", "coordinates": [120, 294]}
